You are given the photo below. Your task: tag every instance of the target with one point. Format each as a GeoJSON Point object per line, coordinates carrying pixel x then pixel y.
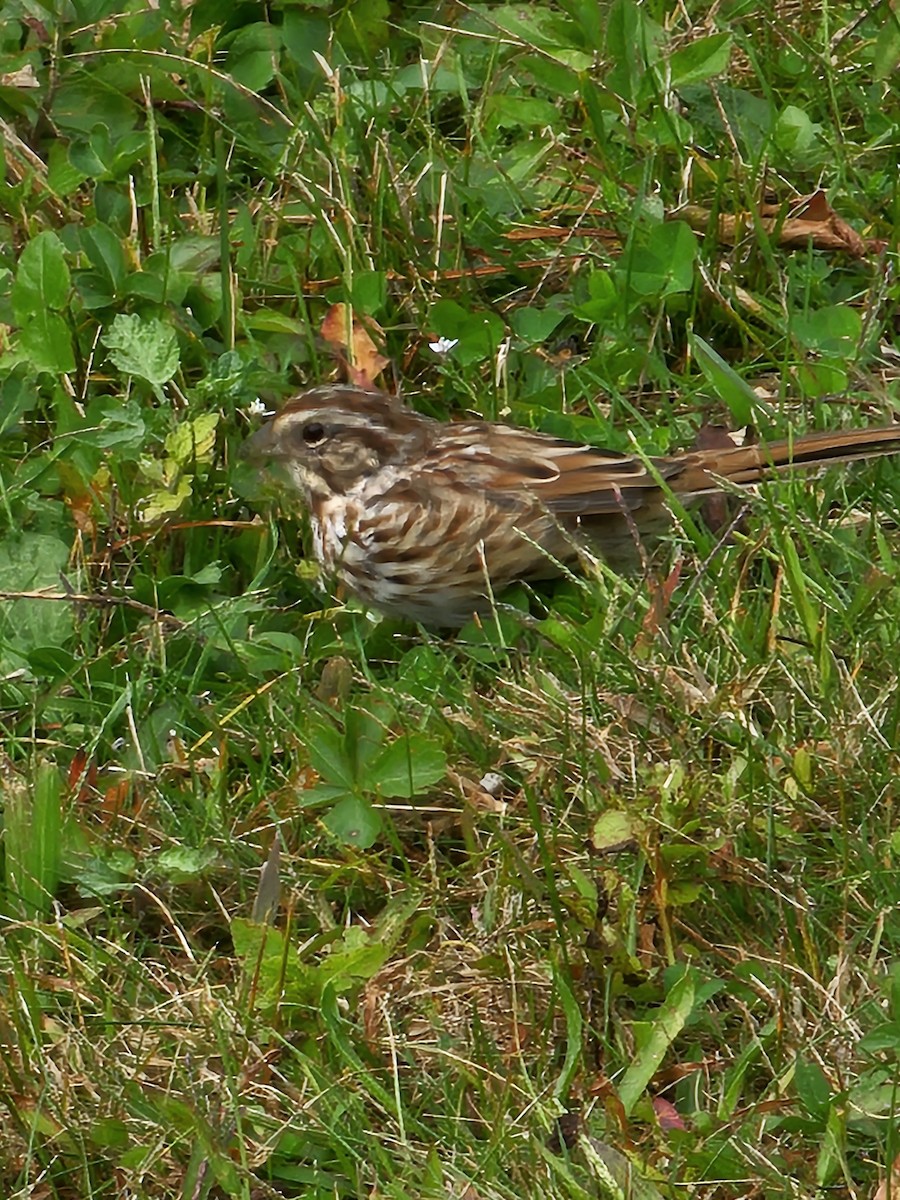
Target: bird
{"type": "Point", "coordinates": [431, 521]}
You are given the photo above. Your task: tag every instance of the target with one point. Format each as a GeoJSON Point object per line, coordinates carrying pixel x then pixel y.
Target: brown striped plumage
{"type": "Point", "coordinates": [429, 521]}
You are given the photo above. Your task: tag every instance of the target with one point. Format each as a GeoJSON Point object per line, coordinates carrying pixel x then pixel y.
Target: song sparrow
{"type": "Point", "coordinates": [430, 521]}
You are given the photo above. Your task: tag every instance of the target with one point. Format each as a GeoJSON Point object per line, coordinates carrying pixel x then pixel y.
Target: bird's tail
{"type": "Point", "coordinates": [749, 464]}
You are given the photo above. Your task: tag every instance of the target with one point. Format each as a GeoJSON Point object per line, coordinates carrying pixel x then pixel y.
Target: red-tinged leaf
{"type": "Point", "coordinates": [667, 1115]}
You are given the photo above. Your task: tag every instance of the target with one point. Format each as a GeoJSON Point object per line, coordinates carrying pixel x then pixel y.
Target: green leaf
{"type": "Point", "coordinates": [834, 331]}
{"type": "Point", "coordinates": [365, 731]}
{"type": "Point", "coordinates": [887, 45]}
{"type": "Point", "coordinates": [700, 60]}
{"type": "Point", "coordinates": [46, 342]}
{"type": "Point", "coordinates": [605, 298]}
{"type": "Point", "coordinates": [363, 26]}
{"type": "Point", "coordinates": [96, 876]}
{"type": "Point", "coordinates": [104, 249]}
{"type": "Point", "coordinates": [408, 766]}
{"type": "Point", "coordinates": [812, 1087]}
{"type": "Point", "coordinates": [369, 292]}
{"type": "Point", "coordinates": [742, 401]}
{"type": "Point", "coordinates": [358, 956]}
{"type": "Point", "coordinates": [328, 756]}
{"type": "Point", "coordinates": [664, 264]}
{"type": "Point", "coordinates": [632, 42]}
{"type": "Point", "coordinates": [354, 821]}
{"type": "Point", "coordinates": [253, 55]}
{"type": "Point", "coordinates": [163, 503]}
{"type": "Point", "coordinates": [798, 136]}
{"type": "Point", "coordinates": [478, 333]}
{"type": "Point", "coordinates": [797, 583]}
{"type": "Point", "coordinates": [178, 864]}
{"type": "Point", "coordinates": [534, 325]}
{"type": "Point", "coordinates": [100, 156]}
{"type": "Point", "coordinates": [121, 424]}
{"type": "Point", "coordinates": [62, 177]}
{"type": "Point", "coordinates": [32, 840]}
{"type": "Point", "coordinates": [653, 1039]}
{"type": "Point", "coordinates": [31, 562]}
{"type": "Point", "coordinates": [42, 278]}
{"type": "Point", "coordinates": [269, 320]}
{"type": "Point", "coordinates": [148, 349]}
{"type": "Point", "coordinates": [193, 441]}
{"type": "Point", "coordinates": [515, 111]}
{"type": "Point", "coordinates": [304, 33]}
{"type": "Point", "coordinates": [612, 830]}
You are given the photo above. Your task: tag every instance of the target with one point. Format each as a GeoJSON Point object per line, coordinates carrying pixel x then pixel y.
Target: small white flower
{"type": "Point", "coordinates": [443, 345]}
{"type": "Point", "coordinates": [256, 408]}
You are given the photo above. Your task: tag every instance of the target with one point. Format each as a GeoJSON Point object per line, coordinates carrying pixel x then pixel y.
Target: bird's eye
{"type": "Point", "coordinates": [313, 433]}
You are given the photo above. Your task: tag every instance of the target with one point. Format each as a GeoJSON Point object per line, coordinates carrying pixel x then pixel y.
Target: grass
{"type": "Point", "coordinates": [297, 902]}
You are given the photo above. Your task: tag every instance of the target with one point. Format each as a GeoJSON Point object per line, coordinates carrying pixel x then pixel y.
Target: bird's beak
{"type": "Point", "coordinates": [262, 445]}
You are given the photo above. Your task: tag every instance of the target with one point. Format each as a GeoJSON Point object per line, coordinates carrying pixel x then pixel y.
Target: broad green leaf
{"type": "Point", "coordinates": [193, 441]}
{"type": "Point", "coordinates": [148, 349]}
{"type": "Point", "coordinates": [798, 136]}
{"type": "Point", "coordinates": [100, 156]}
{"type": "Point", "coordinates": [633, 40]}
{"type": "Point", "coordinates": [520, 112]}
{"type": "Point", "coordinates": [478, 333]}
{"type": "Point", "coordinates": [408, 766]}
{"type": "Point", "coordinates": [179, 864]}
{"type": "Point", "coordinates": [354, 821]}
{"type": "Point", "coordinates": [357, 956]}
{"type": "Point", "coordinates": [700, 60]}
{"type": "Point", "coordinates": [46, 342]}
{"type": "Point", "coordinates": [121, 424]}
{"type": "Point", "coordinates": [369, 292]}
{"type": "Point", "coordinates": [821, 378]}
{"type": "Point", "coordinates": [605, 298]}
{"type": "Point", "coordinates": [269, 320]}
{"type": "Point", "coordinates": [194, 254]}
{"type": "Point", "coordinates": [887, 45]}
{"type": "Point", "coordinates": [535, 325]}
{"type": "Point", "coordinates": [96, 876]}
{"type": "Point", "coordinates": [834, 331]}
{"type": "Point", "coordinates": [611, 830]}
{"type": "Point", "coordinates": [328, 756]}
{"type": "Point", "coordinates": [363, 26]}
{"type": "Point", "coordinates": [104, 249]}
{"type": "Point", "coordinates": [42, 278]}
{"type": "Point", "coordinates": [32, 840]}
{"type": "Point", "coordinates": [364, 735]}
{"type": "Point", "coordinates": [81, 104]}
{"type": "Point", "coordinates": [653, 1039]}
{"type": "Point", "coordinates": [63, 177]}
{"type": "Point", "coordinates": [813, 1088]}
{"type": "Point", "coordinates": [164, 503]}
{"type": "Point", "coordinates": [664, 264]}
{"type": "Point", "coordinates": [31, 562]}
{"type": "Point", "coordinates": [253, 55]}
{"type": "Point", "coordinates": [304, 33]}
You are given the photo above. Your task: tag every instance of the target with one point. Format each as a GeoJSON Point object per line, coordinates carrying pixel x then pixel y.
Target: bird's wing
{"type": "Point", "coordinates": [567, 478]}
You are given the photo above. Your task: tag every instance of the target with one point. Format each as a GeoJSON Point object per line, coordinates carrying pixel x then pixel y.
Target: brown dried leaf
{"type": "Point", "coordinates": [660, 598]}
{"type": "Point", "coordinates": [889, 1188]}
{"type": "Point", "coordinates": [809, 219]}
{"type": "Point", "coordinates": [348, 333]}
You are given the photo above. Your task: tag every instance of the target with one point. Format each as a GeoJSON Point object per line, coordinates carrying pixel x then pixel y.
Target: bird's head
{"type": "Point", "coordinates": [333, 437]}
